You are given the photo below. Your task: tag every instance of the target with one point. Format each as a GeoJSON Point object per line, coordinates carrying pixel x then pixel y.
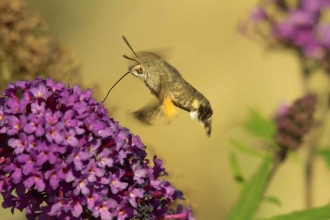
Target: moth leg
{"type": "Point", "coordinates": [148, 114]}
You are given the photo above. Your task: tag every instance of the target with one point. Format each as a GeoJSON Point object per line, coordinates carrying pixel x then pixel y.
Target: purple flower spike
{"type": "Point", "coordinates": [63, 157]}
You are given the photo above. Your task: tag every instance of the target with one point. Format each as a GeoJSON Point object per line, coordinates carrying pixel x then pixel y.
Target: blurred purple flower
{"type": "Point", "coordinates": [299, 27]}
{"type": "Point", "coordinates": [293, 122]}
{"type": "Point", "coordinates": [62, 157]}
{"type": "Point", "coordinates": [258, 14]}
{"type": "Point", "coordinates": [323, 32]}
{"type": "Point", "coordinates": [312, 6]}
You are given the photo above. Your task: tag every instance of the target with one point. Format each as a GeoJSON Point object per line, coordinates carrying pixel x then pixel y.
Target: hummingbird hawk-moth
{"type": "Point", "coordinates": [166, 83]}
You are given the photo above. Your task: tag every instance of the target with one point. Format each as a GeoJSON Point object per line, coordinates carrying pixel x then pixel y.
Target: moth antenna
{"type": "Point", "coordinates": [130, 47]}
{"type": "Point", "coordinates": [114, 86]}
{"type": "Point", "coordinates": [131, 59]}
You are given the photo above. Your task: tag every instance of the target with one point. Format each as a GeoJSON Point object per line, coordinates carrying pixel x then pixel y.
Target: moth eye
{"type": "Point", "coordinates": [140, 70]}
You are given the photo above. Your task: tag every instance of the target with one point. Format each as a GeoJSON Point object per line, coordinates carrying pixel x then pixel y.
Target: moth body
{"type": "Point", "coordinates": [165, 82]}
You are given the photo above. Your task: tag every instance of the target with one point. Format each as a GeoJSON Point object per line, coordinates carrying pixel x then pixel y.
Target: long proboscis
{"type": "Point", "coordinates": [114, 86]}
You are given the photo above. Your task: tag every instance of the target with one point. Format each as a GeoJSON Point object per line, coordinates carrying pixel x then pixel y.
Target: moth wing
{"type": "Point", "coordinates": [165, 105]}
{"type": "Point", "coordinates": [143, 55]}
{"type": "Point", "coordinates": [148, 55]}
{"type": "Point", "coordinates": [163, 53]}
{"type": "Point", "coordinates": [158, 53]}
{"type": "Point", "coordinates": [148, 113]}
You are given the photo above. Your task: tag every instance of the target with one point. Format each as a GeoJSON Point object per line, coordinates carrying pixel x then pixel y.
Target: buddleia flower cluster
{"type": "Point", "coordinates": [63, 157]}
{"type": "Point", "coordinates": [299, 25]}
{"type": "Point", "coordinates": [293, 122]}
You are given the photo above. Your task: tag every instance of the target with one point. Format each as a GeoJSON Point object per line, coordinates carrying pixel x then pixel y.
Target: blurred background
{"type": "Point", "coordinates": [201, 39]}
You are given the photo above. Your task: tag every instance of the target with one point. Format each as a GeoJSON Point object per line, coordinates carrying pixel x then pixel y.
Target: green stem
{"type": "Point", "coordinates": [308, 177]}
{"type": "Point", "coordinates": [278, 159]}
{"type": "Point", "coordinates": [315, 133]}
{"type": "Point", "coordinates": [313, 143]}
{"type": "Point", "coordinates": [309, 161]}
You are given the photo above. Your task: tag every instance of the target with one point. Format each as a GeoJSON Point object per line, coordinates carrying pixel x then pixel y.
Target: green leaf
{"type": "Point", "coordinates": [325, 154]}
{"type": "Point", "coordinates": [236, 170]}
{"type": "Point", "coordinates": [260, 126]}
{"type": "Point", "coordinates": [321, 213]}
{"type": "Point", "coordinates": [252, 192]}
{"type": "Point", "coordinates": [272, 199]}
{"type": "Point", "coordinates": [245, 148]}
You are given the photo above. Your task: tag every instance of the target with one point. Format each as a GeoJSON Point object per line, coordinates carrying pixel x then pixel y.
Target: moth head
{"type": "Point", "coordinates": [137, 70]}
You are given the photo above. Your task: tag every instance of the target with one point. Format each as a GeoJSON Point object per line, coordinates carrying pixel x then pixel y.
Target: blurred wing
{"type": "Point", "coordinates": [165, 105]}
{"type": "Point", "coordinates": [157, 53]}
{"type": "Point", "coordinates": [148, 55]}
{"type": "Point", "coordinates": [148, 113]}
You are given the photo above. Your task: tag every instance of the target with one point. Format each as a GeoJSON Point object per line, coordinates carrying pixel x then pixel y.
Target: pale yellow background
{"type": "Point", "coordinates": [203, 43]}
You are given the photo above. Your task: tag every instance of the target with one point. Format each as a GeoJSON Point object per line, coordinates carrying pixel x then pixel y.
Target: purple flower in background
{"type": "Point", "coordinates": [298, 26]}
{"type": "Point", "coordinates": [258, 14]}
{"type": "Point", "coordinates": [312, 6]}
{"type": "Point", "coordinates": [294, 121]}
{"type": "Point", "coordinates": [323, 32]}
{"type": "Point", "coordinates": [63, 157]}
{"type": "Point", "coordinates": [282, 110]}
